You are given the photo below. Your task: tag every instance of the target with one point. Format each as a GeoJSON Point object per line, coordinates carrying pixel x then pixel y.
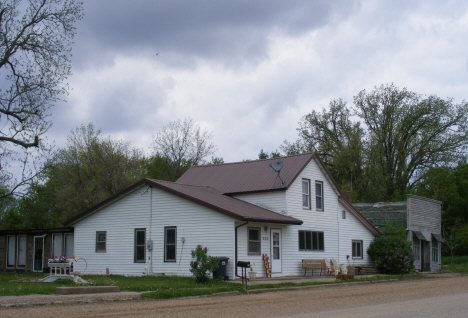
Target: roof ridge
{"type": "Point", "coordinates": [185, 184]}
{"type": "Point", "coordinates": [255, 160]}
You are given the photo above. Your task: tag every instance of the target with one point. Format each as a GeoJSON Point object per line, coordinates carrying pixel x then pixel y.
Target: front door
{"type": "Point", "coordinates": [276, 250]}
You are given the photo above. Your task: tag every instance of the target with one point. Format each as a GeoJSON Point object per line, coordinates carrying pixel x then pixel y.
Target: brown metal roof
{"type": "Point", "coordinates": [205, 196]}
{"type": "Point", "coordinates": [247, 176]}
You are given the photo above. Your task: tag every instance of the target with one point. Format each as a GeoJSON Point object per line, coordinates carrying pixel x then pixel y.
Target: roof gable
{"type": "Point", "coordinates": [247, 176]}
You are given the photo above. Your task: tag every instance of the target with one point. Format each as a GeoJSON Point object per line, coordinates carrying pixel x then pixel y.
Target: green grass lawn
{"type": "Point", "coordinates": [159, 286]}
{"type": "Point", "coordinates": [163, 287]}
{"type": "Point", "coordinates": [460, 264]}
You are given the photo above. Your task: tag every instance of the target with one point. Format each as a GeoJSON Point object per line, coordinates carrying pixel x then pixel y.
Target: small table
{"type": "Point", "coordinates": [59, 268]}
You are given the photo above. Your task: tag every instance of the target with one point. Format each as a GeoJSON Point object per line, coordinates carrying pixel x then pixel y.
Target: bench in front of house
{"type": "Point", "coordinates": [313, 264]}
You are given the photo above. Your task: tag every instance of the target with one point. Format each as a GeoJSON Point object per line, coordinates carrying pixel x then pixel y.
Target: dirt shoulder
{"type": "Point", "coordinates": [277, 303]}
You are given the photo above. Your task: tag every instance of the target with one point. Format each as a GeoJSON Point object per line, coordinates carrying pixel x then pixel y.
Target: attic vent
{"type": "Point", "coordinates": [276, 167]}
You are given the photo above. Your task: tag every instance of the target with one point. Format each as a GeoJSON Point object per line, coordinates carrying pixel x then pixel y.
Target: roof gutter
{"type": "Point", "coordinates": [235, 248]}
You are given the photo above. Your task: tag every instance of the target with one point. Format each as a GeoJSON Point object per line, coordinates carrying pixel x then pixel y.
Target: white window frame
{"type": "Point", "coordinates": [256, 242]}
{"type": "Point", "coordinates": [306, 194]}
{"type": "Point", "coordinates": [99, 248]}
{"type": "Point", "coordinates": [357, 246]}
{"type": "Point", "coordinates": [319, 196]}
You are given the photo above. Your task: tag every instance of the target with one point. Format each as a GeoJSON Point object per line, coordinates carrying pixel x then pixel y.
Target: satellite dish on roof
{"type": "Point", "coordinates": [276, 166]}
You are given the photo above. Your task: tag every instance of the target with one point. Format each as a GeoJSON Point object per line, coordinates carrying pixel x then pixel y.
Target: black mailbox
{"type": "Point", "coordinates": [243, 264]}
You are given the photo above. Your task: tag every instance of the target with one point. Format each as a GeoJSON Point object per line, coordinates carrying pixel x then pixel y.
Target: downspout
{"type": "Point", "coordinates": [235, 239]}
{"type": "Point", "coordinates": [151, 227]}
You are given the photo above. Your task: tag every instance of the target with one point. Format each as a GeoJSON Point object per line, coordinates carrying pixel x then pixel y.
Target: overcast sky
{"type": "Point", "coordinates": [249, 70]}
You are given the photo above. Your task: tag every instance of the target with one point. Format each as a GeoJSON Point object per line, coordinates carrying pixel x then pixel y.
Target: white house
{"type": "Point", "coordinates": [238, 210]}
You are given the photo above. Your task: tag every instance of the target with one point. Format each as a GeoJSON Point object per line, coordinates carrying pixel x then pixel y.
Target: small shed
{"type": "Point", "coordinates": [28, 250]}
{"type": "Point", "coordinates": [422, 219]}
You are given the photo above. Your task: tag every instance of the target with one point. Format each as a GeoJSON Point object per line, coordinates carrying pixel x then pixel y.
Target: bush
{"type": "Point", "coordinates": [391, 252]}
{"type": "Point", "coordinates": [202, 264]}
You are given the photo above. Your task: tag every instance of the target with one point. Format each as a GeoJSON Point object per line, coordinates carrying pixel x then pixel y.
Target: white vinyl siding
{"type": "Point", "coordinates": [271, 200]}
{"type": "Point", "coordinates": [195, 223]}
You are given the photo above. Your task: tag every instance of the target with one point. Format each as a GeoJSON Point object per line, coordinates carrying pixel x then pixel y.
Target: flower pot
{"type": "Point", "coordinates": [252, 275]}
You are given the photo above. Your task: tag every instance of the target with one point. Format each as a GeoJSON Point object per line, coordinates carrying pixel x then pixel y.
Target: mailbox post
{"type": "Point", "coordinates": [244, 265]}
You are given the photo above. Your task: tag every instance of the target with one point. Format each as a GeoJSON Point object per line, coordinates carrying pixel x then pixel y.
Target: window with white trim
{"type": "Point", "coordinates": [343, 214]}
{"type": "Point", "coordinates": [170, 243]}
{"type": "Point", "coordinates": [357, 248]}
{"type": "Point", "coordinates": [319, 195]}
{"type": "Point", "coordinates": [305, 193]}
{"type": "Point", "coordinates": [254, 241]}
{"type": "Point", "coordinates": [101, 238]}
{"type": "Point", "coordinates": [140, 246]}
{"type": "Point", "coordinates": [311, 241]}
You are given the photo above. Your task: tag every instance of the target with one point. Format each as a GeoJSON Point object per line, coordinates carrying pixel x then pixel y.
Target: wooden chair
{"type": "Point", "coordinates": [333, 268]}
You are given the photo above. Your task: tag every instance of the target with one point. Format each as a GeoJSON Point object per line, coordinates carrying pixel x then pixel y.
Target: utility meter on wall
{"type": "Point", "coordinates": [149, 245]}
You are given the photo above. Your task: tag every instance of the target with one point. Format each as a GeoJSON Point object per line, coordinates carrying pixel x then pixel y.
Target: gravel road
{"type": "Point", "coordinates": [271, 304]}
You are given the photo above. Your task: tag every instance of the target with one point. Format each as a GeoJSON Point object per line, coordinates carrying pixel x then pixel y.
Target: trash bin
{"type": "Point", "coordinates": [220, 272]}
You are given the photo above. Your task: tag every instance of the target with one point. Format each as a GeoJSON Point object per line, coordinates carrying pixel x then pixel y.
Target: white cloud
{"type": "Point", "coordinates": [257, 102]}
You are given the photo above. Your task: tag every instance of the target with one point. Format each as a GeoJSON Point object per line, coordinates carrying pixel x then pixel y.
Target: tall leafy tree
{"type": "Point", "coordinates": [91, 168]}
{"type": "Point", "coordinates": [398, 136]}
{"type": "Point", "coordinates": [35, 50]}
{"type": "Point", "coordinates": [181, 145]}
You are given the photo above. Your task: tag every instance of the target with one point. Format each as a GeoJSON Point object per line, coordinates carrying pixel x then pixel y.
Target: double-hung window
{"type": "Point", "coordinates": [101, 241]}
{"type": "Point", "coordinates": [306, 193]}
{"type": "Point", "coordinates": [170, 246]}
{"type": "Point", "coordinates": [311, 241]}
{"type": "Point", "coordinates": [254, 241]}
{"type": "Point", "coordinates": [140, 244]}
{"type": "Point", "coordinates": [319, 195]}
{"type": "Point", "coordinates": [357, 249]}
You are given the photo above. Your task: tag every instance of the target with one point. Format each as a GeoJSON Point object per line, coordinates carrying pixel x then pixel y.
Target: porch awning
{"type": "Point", "coordinates": [438, 237]}
{"type": "Point", "coordinates": [420, 236]}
